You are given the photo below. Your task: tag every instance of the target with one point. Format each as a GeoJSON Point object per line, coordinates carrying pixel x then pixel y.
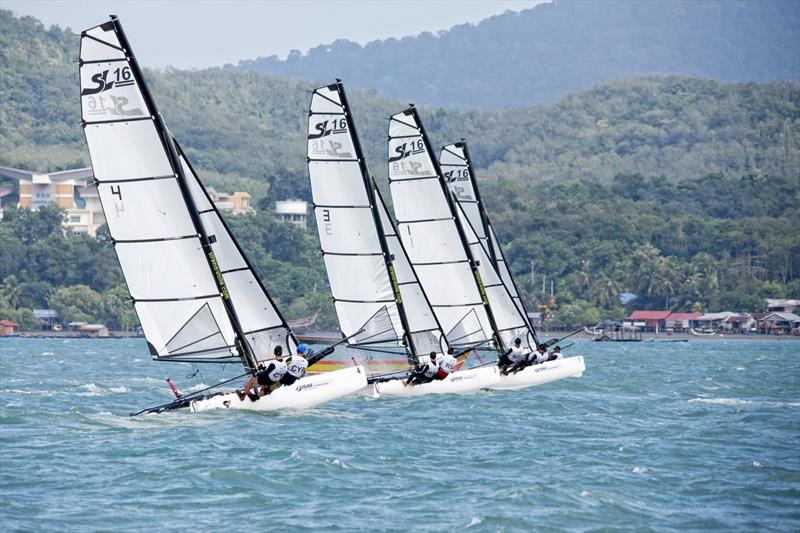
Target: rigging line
{"type": "Point", "coordinates": [191, 394]}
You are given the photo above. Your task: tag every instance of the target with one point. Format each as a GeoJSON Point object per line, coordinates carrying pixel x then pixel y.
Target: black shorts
{"type": "Point", "coordinates": [288, 379]}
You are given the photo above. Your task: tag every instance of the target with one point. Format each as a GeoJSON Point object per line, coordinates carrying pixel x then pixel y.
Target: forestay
{"type": "Point", "coordinates": [430, 233]}
{"type": "Point", "coordinates": [457, 172]}
{"type": "Point", "coordinates": [181, 265]}
{"type": "Point", "coordinates": [369, 274]}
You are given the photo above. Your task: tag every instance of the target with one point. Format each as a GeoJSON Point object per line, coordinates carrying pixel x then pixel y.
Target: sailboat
{"type": "Point", "coordinates": [196, 295]}
{"type": "Point", "coordinates": [457, 171]}
{"type": "Point", "coordinates": [379, 301]}
{"type": "Point", "coordinates": [445, 246]}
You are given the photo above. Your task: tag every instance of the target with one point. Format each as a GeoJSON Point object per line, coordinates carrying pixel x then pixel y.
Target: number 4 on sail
{"type": "Point", "coordinates": [194, 291]}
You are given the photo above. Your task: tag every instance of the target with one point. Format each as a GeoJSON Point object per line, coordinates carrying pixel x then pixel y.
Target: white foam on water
{"type": "Point", "coordinates": [48, 353]}
{"type": "Point", "coordinates": [758, 465]}
{"type": "Point", "coordinates": [585, 493]}
{"type": "Point", "coordinates": [640, 470]}
{"type": "Point", "coordinates": [344, 465]}
{"type": "Point", "coordinates": [119, 390]}
{"type": "Point", "coordinates": [739, 368]}
{"type": "Point", "coordinates": [721, 401]}
{"type": "Point", "coordinates": [91, 390]}
{"type": "Point", "coordinates": [474, 521]}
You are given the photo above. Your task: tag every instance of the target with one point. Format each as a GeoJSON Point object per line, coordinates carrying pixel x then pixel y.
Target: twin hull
{"type": "Point", "coordinates": [307, 392]}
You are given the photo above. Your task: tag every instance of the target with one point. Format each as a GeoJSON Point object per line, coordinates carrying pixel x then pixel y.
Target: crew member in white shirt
{"type": "Point", "coordinates": [447, 364]}
{"type": "Point", "coordinates": [424, 373]}
{"type": "Point", "coordinates": [514, 358]}
{"type": "Point", "coordinates": [296, 366]}
{"type": "Point", "coordinates": [266, 378]}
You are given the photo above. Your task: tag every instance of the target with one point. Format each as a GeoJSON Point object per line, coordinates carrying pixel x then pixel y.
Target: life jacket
{"type": "Point", "coordinates": [515, 355]}
{"type": "Point", "coordinates": [297, 366]}
{"type": "Point", "coordinates": [447, 363]}
{"type": "Point", "coordinates": [276, 370]}
{"type": "Point", "coordinates": [430, 369]}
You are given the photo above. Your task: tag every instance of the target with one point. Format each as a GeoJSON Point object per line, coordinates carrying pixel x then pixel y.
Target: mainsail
{"type": "Point", "coordinates": [457, 171]}
{"type": "Point", "coordinates": [435, 240]}
{"type": "Point", "coordinates": [373, 285]}
{"type": "Point", "coordinates": [194, 291]}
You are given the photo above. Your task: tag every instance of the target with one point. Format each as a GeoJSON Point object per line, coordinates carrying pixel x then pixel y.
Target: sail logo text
{"type": "Point", "coordinates": [407, 149]}
{"type": "Point", "coordinates": [323, 128]}
{"type": "Point", "coordinates": [121, 78]}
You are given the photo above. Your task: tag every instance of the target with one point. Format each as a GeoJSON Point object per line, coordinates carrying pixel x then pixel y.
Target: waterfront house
{"type": "Point", "coordinates": [653, 320]}
{"type": "Point", "coordinates": [780, 323]}
{"type": "Point", "coordinates": [775, 305]}
{"type": "Point", "coordinates": [738, 323]}
{"type": "Point", "coordinates": [681, 322]}
{"type": "Point", "coordinates": [8, 328]}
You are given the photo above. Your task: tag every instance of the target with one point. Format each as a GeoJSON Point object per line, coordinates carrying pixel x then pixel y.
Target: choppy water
{"type": "Point", "coordinates": [666, 437]}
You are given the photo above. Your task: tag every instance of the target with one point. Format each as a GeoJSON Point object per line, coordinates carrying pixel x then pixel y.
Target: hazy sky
{"type": "Point", "coordinates": [189, 34]}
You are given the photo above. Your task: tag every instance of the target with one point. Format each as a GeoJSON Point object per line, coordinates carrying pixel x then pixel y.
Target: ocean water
{"type": "Point", "coordinates": [697, 436]}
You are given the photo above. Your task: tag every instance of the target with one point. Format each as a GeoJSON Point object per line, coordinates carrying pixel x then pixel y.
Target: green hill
{"type": "Point", "coordinates": [705, 171]}
{"type": "Point", "coordinates": [541, 54]}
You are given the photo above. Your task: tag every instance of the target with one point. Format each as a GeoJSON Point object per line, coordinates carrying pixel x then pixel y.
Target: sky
{"type": "Point", "coordinates": [196, 34]}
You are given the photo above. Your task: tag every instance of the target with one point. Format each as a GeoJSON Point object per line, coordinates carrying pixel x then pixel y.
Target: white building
{"type": "Point", "coordinates": [292, 212]}
{"type": "Point", "coordinates": [71, 190]}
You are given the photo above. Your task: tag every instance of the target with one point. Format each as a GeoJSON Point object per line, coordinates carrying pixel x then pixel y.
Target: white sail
{"type": "Point", "coordinates": [356, 236]}
{"type": "Point", "coordinates": [457, 171]}
{"type": "Point", "coordinates": [182, 291]}
{"type": "Point", "coordinates": [262, 324]}
{"type": "Point", "coordinates": [429, 231]}
{"type": "Point", "coordinates": [424, 329]}
{"type": "Point", "coordinates": [348, 235]}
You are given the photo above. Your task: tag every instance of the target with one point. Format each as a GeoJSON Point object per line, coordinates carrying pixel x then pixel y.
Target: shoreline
{"type": "Point", "coordinates": [330, 337]}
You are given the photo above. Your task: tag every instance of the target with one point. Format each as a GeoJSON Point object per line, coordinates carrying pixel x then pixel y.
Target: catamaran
{"type": "Point", "coordinates": [379, 302]}
{"type": "Point", "coordinates": [449, 249]}
{"type": "Point", "coordinates": [196, 294]}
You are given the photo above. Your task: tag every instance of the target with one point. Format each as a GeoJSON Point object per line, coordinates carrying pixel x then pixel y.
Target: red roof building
{"type": "Point", "coordinates": [8, 328]}
{"type": "Point", "coordinates": [656, 320]}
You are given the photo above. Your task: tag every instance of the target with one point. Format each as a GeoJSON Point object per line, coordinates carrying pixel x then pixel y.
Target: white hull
{"type": "Point", "coordinates": [456, 383]}
{"type": "Point", "coordinates": [542, 373]}
{"type": "Point", "coordinates": [307, 392]}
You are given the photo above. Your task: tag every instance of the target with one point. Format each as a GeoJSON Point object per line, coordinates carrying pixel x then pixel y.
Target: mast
{"type": "Point", "coordinates": [246, 352]}
{"type": "Point", "coordinates": [371, 188]}
{"type": "Point", "coordinates": [462, 235]}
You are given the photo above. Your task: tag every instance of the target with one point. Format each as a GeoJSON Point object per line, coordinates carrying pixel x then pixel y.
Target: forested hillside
{"type": "Point", "coordinates": [539, 55]}
{"type": "Point", "coordinates": [682, 190]}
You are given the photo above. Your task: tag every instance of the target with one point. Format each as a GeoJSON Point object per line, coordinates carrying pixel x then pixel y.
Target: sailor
{"type": "Point", "coordinates": [424, 374]}
{"type": "Point", "coordinates": [539, 356]}
{"type": "Point", "coordinates": [447, 364]}
{"type": "Point", "coordinates": [513, 359]}
{"type": "Point", "coordinates": [266, 377]}
{"type": "Point", "coordinates": [296, 366]}
{"type": "Point", "coordinates": [555, 354]}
